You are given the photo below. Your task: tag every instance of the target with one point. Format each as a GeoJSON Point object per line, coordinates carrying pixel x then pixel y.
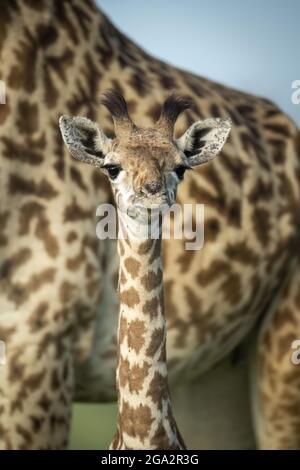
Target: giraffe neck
{"type": "Point", "coordinates": [145, 419]}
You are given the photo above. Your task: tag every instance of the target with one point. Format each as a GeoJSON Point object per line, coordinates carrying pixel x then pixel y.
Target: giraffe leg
{"type": "Point", "coordinates": [36, 383]}
{"type": "Point", "coordinates": [275, 378]}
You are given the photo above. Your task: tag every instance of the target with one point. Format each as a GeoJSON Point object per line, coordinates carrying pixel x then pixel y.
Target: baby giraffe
{"type": "Point", "coordinates": [144, 167]}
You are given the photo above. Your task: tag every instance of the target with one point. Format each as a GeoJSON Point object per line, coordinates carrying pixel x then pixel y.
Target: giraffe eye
{"type": "Point", "coordinates": [180, 170]}
{"type": "Point", "coordinates": [113, 171]}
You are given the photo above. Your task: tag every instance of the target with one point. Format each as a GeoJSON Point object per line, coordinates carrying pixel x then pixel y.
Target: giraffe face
{"type": "Point", "coordinates": [144, 166]}
{"type": "Point", "coordinates": [145, 169]}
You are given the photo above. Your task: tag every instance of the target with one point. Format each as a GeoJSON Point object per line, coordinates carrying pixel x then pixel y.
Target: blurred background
{"type": "Point", "coordinates": [253, 46]}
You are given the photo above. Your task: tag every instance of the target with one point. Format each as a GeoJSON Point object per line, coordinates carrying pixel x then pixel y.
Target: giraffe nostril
{"type": "Point", "coordinates": [153, 187]}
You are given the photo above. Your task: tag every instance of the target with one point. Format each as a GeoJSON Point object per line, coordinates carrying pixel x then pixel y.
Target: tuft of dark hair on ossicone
{"type": "Point", "coordinates": [115, 103]}
{"type": "Point", "coordinates": [174, 105]}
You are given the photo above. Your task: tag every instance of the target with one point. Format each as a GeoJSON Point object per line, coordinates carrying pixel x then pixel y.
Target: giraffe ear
{"type": "Point", "coordinates": [204, 140]}
{"type": "Point", "coordinates": [85, 139]}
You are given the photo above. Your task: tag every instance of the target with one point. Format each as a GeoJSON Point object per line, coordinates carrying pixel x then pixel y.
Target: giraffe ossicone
{"type": "Point", "coordinates": [144, 167]}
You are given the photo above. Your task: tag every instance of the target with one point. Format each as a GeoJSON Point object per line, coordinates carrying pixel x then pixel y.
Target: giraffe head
{"type": "Point", "coordinates": [144, 166]}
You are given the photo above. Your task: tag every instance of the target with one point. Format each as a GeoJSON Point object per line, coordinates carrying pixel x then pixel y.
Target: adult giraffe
{"type": "Point", "coordinates": [57, 298]}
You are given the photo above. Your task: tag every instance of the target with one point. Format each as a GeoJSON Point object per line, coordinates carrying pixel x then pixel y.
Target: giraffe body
{"type": "Point", "coordinates": [58, 301]}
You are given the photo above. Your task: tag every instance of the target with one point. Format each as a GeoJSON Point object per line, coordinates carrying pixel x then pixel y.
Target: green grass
{"type": "Point", "coordinates": [93, 426]}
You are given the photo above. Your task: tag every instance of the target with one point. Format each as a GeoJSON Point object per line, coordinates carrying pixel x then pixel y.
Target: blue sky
{"type": "Point", "coordinates": [253, 46]}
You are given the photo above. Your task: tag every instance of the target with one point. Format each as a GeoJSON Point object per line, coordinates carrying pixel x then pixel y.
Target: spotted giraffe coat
{"type": "Point", "coordinates": [57, 282]}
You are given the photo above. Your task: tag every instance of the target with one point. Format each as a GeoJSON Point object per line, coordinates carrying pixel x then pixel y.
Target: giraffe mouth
{"type": "Point", "coordinates": [149, 210]}
{"type": "Point", "coordinates": [157, 202]}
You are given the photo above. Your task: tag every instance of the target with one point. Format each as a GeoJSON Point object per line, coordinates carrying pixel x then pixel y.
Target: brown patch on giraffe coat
{"type": "Point", "coordinates": [73, 212]}
{"type": "Point", "coordinates": [16, 368]}
{"type": "Point", "coordinates": [66, 291]}
{"type": "Point", "coordinates": [71, 237]}
{"type": "Point", "coordinates": [77, 178]}
{"type": "Point", "coordinates": [157, 342]}
{"type": "Point", "coordinates": [152, 280]}
{"type": "Point", "coordinates": [262, 224]}
{"type": "Point", "coordinates": [167, 81]}
{"type": "Point", "coordinates": [44, 402]}
{"type": "Point", "coordinates": [135, 335]}
{"type": "Point", "coordinates": [158, 390]}
{"type": "Point", "coordinates": [203, 321]}
{"type": "Point", "coordinates": [151, 307]}
{"type": "Point", "coordinates": [160, 439]}
{"type": "Point", "coordinates": [61, 63]}
{"type": "Point", "coordinates": [100, 182]}
{"type": "Point", "coordinates": [20, 185]}
{"type": "Point", "coordinates": [10, 265]}
{"type": "Point", "coordinates": [232, 288]}
{"type": "Point", "coordinates": [43, 233]}
{"type": "Point", "coordinates": [283, 316]}
{"type": "Point", "coordinates": [76, 261]}
{"type": "Point", "coordinates": [284, 345]}
{"type": "Point", "coordinates": [278, 129]}
{"type": "Point", "coordinates": [145, 247]}
{"type": "Point", "coordinates": [211, 174]}
{"type": "Point", "coordinates": [4, 109]}
{"type": "Point", "coordinates": [136, 422]}
{"type": "Point", "coordinates": [211, 229]}
{"type": "Point", "coordinates": [54, 380]}
{"type": "Point", "coordinates": [24, 153]}
{"type": "Point", "coordinates": [236, 168]}
{"type": "Point", "coordinates": [123, 372]}
{"type": "Point", "coordinates": [31, 210]}
{"type": "Point", "coordinates": [204, 196]}
{"type": "Point", "coordinates": [4, 216]}
{"type": "Point", "coordinates": [36, 423]}
{"type": "Point", "coordinates": [132, 266]}
{"type": "Point", "coordinates": [19, 292]}
{"type": "Point", "coordinates": [234, 213]}
{"type": "Point", "coordinates": [216, 269]}
{"type": "Point", "coordinates": [25, 434]}
{"type": "Point", "coordinates": [278, 150]}
{"type": "Point", "coordinates": [195, 85]}
{"type": "Point", "coordinates": [136, 377]}
{"type": "Point", "coordinates": [240, 252]}
{"type": "Point", "coordinates": [154, 112]}
{"type": "Point", "coordinates": [171, 307]}
{"type": "Point", "coordinates": [27, 120]}
{"type": "Point", "coordinates": [51, 94]}
{"type": "Point", "coordinates": [38, 318]}
{"type": "Point", "coordinates": [23, 74]}
{"type": "Point", "coordinates": [138, 81]}
{"type": "Point", "coordinates": [262, 191]}
{"type": "Point", "coordinates": [33, 381]}
{"type": "Point", "coordinates": [28, 211]}
{"type": "Point", "coordinates": [130, 297]}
